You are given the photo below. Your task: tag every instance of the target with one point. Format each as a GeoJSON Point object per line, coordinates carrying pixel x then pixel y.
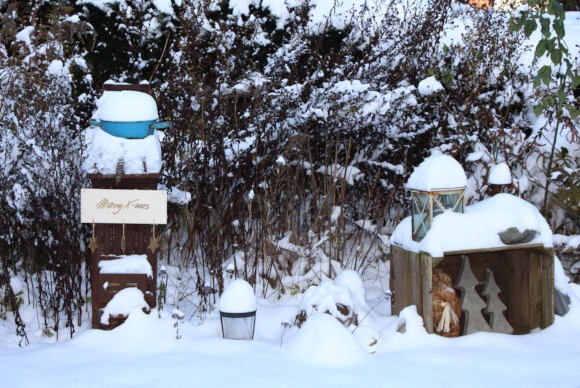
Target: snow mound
{"type": "Point", "coordinates": [476, 229]}
{"type": "Point", "coordinates": [126, 105]}
{"type": "Point", "coordinates": [130, 264]}
{"type": "Point", "coordinates": [238, 297]}
{"type": "Point", "coordinates": [437, 172]}
{"type": "Point", "coordinates": [429, 86]}
{"type": "Point", "coordinates": [104, 151]}
{"type": "Point", "coordinates": [123, 303]}
{"type": "Point", "coordinates": [324, 298]}
{"type": "Point", "coordinates": [500, 175]}
{"type": "Point", "coordinates": [324, 341]}
{"type": "Point", "coordinates": [352, 280]}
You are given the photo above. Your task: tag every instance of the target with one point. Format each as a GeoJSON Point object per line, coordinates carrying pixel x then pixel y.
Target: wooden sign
{"type": "Point", "coordinates": [103, 206]}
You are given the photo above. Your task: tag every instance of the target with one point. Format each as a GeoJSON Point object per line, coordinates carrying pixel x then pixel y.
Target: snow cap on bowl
{"type": "Point", "coordinates": [238, 297]}
{"type": "Point", "coordinates": [438, 172]}
{"type": "Point", "coordinates": [127, 105]}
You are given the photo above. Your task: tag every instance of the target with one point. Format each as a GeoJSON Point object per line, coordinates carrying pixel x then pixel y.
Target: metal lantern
{"type": "Point", "coordinates": [238, 326]}
{"type": "Point", "coordinates": [238, 311]}
{"type": "Point", "coordinates": [437, 185]}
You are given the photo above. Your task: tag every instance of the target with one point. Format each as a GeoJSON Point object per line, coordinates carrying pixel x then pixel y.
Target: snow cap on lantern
{"type": "Point", "coordinates": [238, 311]}
{"type": "Point", "coordinates": [437, 185]}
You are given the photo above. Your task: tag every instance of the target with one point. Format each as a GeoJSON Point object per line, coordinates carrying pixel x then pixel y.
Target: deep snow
{"type": "Point", "coordinates": [144, 352]}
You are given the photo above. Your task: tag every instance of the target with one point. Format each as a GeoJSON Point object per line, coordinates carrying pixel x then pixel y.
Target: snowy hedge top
{"type": "Point", "coordinates": [126, 105]}
{"type": "Point", "coordinates": [238, 297]}
{"type": "Point", "coordinates": [437, 172]}
{"type": "Point", "coordinates": [478, 228]}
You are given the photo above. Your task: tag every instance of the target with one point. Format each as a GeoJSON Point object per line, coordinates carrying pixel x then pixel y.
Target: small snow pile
{"type": "Point", "coordinates": [429, 86]}
{"type": "Point", "coordinates": [352, 280]}
{"type": "Point", "coordinates": [324, 341]}
{"type": "Point", "coordinates": [130, 264]}
{"type": "Point", "coordinates": [344, 299]}
{"type": "Point", "coordinates": [238, 297]}
{"type": "Point", "coordinates": [126, 105]}
{"type": "Point", "coordinates": [123, 303]}
{"type": "Point", "coordinates": [178, 197]}
{"type": "Point", "coordinates": [500, 175]}
{"type": "Point", "coordinates": [25, 35]}
{"type": "Point", "coordinates": [104, 152]}
{"type": "Point", "coordinates": [339, 172]}
{"type": "Point", "coordinates": [437, 172]}
{"type": "Point", "coordinates": [476, 229]}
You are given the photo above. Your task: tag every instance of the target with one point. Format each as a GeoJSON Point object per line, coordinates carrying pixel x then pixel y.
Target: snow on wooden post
{"type": "Point", "coordinates": [499, 179]}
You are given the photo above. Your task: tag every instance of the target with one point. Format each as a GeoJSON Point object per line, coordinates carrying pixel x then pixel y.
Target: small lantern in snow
{"type": "Point", "coordinates": [238, 311]}
{"type": "Point", "coordinates": [500, 178]}
{"type": "Point", "coordinates": [437, 185]}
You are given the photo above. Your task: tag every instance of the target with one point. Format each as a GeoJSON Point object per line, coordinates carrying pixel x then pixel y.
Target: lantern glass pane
{"type": "Point", "coordinates": [239, 328]}
{"type": "Point", "coordinates": [420, 215]}
{"type": "Point", "coordinates": [449, 201]}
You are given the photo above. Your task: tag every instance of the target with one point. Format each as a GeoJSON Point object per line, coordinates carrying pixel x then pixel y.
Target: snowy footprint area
{"type": "Point", "coordinates": [144, 352]}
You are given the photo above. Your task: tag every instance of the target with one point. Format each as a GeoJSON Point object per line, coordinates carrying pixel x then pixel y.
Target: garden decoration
{"type": "Point", "coordinates": [495, 306]}
{"type": "Point", "coordinates": [438, 250]}
{"type": "Point", "coordinates": [471, 303]}
{"type": "Point", "coordinates": [238, 311]}
{"type": "Point", "coordinates": [123, 206]}
{"type": "Point", "coordinates": [433, 193]}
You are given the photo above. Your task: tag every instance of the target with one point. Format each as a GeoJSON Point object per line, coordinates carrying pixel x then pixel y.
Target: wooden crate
{"type": "Point", "coordinates": [524, 273]}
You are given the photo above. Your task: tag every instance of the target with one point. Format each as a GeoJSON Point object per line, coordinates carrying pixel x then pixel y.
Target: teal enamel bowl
{"type": "Point", "coordinates": [130, 129]}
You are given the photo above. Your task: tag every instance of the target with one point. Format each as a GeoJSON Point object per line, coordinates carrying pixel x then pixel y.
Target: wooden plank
{"type": "Point", "coordinates": [392, 278]}
{"type": "Point", "coordinates": [427, 291]}
{"type": "Point", "coordinates": [534, 289]}
{"type": "Point", "coordinates": [415, 280]}
{"type": "Point", "coordinates": [144, 88]}
{"type": "Point", "coordinates": [494, 249]}
{"type": "Point", "coordinates": [547, 289]}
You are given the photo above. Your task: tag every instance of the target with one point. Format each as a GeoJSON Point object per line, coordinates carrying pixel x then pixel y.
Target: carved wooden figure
{"type": "Point", "coordinates": [495, 306]}
{"type": "Point", "coordinates": [471, 303]}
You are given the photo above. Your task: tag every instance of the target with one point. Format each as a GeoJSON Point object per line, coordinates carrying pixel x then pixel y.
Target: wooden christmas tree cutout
{"type": "Point", "coordinates": [471, 303]}
{"type": "Point", "coordinates": [495, 306]}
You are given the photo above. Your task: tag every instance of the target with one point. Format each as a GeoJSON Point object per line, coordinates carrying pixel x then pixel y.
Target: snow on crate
{"type": "Point", "coordinates": [478, 228]}
{"type": "Point", "coordinates": [130, 264]}
{"type": "Point", "coordinates": [123, 303]}
{"type": "Point", "coordinates": [104, 152]}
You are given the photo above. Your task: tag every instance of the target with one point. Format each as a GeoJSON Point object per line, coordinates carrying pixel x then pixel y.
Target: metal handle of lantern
{"type": "Point", "coordinates": [162, 125]}
{"type": "Point", "coordinates": [96, 123]}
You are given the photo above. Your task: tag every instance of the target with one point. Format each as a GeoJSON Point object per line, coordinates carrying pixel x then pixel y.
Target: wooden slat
{"type": "Point", "coordinates": [534, 289]}
{"type": "Point", "coordinates": [144, 88]}
{"type": "Point", "coordinates": [427, 288]}
{"type": "Point", "coordinates": [547, 289]}
{"type": "Point", "coordinates": [494, 249]}
{"type": "Point", "coordinates": [415, 281]}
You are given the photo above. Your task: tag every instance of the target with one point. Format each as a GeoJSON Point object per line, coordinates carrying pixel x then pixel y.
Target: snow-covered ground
{"type": "Point", "coordinates": [145, 352]}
